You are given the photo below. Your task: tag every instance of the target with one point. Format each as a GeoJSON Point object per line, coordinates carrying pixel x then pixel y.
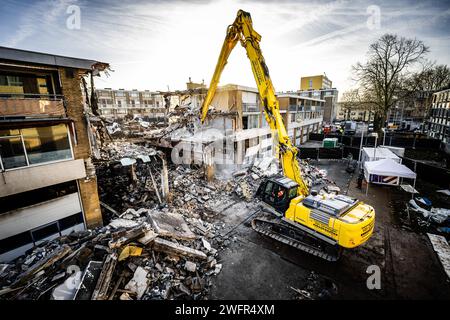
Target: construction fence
{"type": "Point", "coordinates": [350, 145]}
{"type": "Point", "coordinates": [397, 140]}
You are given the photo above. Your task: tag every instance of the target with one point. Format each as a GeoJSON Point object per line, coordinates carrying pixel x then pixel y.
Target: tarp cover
{"type": "Point", "coordinates": [388, 167]}
{"type": "Point", "coordinates": [374, 154]}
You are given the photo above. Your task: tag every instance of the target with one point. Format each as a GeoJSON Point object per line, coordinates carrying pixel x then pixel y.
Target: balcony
{"type": "Point", "coordinates": [250, 107]}
{"type": "Point", "coordinates": [31, 105]}
{"type": "Point", "coordinates": [39, 176]}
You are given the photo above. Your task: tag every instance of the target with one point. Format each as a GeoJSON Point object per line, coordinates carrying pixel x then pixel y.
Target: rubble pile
{"type": "Point", "coordinates": [128, 176]}
{"type": "Point", "coordinates": [190, 190]}
{"type": "Point", "coordinates": [144, 254]}
{"type": "Point", "coordinates": [132, 127]}
{"type": "Point", "coordinates": [115, 151]}
{"type": "Point", "coordinates": [316, 178]}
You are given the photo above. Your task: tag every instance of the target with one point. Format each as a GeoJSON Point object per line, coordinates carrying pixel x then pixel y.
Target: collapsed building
{"type": "Point", "coordinates": [235, 132]}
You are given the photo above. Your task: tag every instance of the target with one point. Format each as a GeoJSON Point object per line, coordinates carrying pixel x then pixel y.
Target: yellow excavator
{"type": "Point", "coordinates": [320, 224]}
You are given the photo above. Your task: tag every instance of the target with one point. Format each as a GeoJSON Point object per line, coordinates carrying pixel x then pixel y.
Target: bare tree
{"type": "Point", "coordinates": [349, 102]}
{"type": "Point", "coordinates": [419, 86]}
{"type": "Point", "coordinates": [388, 61]}
{"type": "Point", "coordinates": [354, 99]}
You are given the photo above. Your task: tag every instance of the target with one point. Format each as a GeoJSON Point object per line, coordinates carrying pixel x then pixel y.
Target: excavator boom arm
{"type": "Point", "coordinates": [242, 30]}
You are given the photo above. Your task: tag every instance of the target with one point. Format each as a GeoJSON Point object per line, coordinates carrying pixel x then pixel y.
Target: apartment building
{"type": "Point", "coordinates": [345, 112]}
{"type": "Point", "coordinates": [439, 121]}
{"type": "Point", "coordinates": [48, 185]}
{"type": "Point", "coordinates": [120, 103]}
{"type": "Point", "coordinates": [155, 105]}
{"type": "Point", "coordinates": [320, 87]}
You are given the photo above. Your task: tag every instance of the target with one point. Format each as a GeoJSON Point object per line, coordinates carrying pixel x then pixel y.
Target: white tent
{"type": "Point", "coordinates": [373, 154]}
{"type": "Point", "coordinates": [386, 171]}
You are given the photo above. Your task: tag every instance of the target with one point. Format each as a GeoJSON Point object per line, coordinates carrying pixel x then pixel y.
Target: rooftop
{"type": "Point", "coordinates": [48, 59]}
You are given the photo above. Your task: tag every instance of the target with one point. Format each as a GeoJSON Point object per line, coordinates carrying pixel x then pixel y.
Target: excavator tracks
{"type": "Point", "coordinates": [296, 238]}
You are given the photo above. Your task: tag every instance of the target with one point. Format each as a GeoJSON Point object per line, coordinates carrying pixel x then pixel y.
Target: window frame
{"type": "Point", "coordinates": [26, 154]}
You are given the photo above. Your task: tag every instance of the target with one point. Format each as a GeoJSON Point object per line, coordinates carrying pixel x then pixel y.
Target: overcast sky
{"type": "Point", "coordinates": [156, 44]}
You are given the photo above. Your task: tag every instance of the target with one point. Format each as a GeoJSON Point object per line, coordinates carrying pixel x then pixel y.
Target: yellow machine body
{"type": "Point", "coordinates": [349, 230]}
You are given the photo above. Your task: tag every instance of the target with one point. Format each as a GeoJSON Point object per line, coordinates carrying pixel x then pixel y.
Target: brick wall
{"type": "Point", "coordinates": [70, 81]}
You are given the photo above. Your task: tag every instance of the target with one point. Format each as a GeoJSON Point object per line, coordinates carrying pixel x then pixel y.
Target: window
{"type": "Point", "coordinates": [253, 121]}
{"type": "Point", "coordinates": [310, 84]}
{"type": "Point", "coordinates": [29, 146]}
{"type": "Point", "coordinates": [11, 149]}
{"type": "Point", "coordinates": [32, 237]}
{"type": "Point", "coordinates": [264, 123]}
{"type": "Point", "coordinates": [44, 144]}
{"type": "Point", "coordinates": [45, 231]}
{"type": "Point", "coordinates": [269, 187]}
{"type": "Point", "coordinates": [32, 197]}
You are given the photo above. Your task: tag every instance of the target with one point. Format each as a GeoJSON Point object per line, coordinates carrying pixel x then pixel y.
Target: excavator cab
{"type": "Point", "coordinates": [278, 192]}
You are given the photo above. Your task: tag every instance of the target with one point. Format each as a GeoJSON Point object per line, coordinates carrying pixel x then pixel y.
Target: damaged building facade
{"type": "Point", "coordinates": [48, 186]}
{"type": "Point", "coordinates": [237, 125]}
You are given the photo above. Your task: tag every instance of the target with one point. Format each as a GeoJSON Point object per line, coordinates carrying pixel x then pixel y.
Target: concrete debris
{"type": "Point", "coordinates": [206, 244]}
{"type": "Point", "coordinates": [161, 238]}
{"type": "Point", "coordinates": [110, 266]}
{"type": "Point", "coordinates": [138, 284]}
{"type": "Point", "coordinates": [148, 237]}
{"type": "Point", "coordinates": [171, 225]}
{"type": "Point", "coordinates": [217, 269]}
{"type": "Point", "coordinates": [127, 161]}
{"type": "Point", "coordinates": [123, 223]}
{"type": "Point", "coordinates": [173, 248]}
{"type": "Point", "coordinates": [190, 266]}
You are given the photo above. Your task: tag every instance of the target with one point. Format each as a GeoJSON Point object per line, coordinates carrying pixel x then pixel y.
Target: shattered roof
{"type": "Point", "coordinates": [19, 55]}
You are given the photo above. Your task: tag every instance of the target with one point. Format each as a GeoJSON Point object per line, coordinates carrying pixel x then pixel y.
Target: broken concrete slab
{"type": "Point", "coordinates": [138, 284]}
{"type": "Point", "coordinates": [171, 225]}
{"type": "Point", "coordinates": [123, 223]}
{"type": "Point", "coordinates": [173, 248]}
{"type": "Point", "coordinates": [127, 161]}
